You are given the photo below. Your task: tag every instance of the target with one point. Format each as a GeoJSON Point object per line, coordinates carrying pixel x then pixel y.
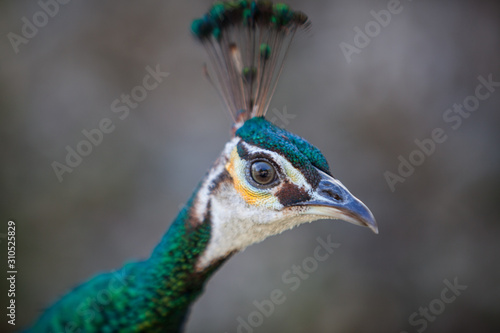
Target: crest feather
{"type": "Point", "coordinates": [247, 43]}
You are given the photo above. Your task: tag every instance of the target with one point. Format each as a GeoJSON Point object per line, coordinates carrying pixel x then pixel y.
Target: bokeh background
{"type": "Point", "coordinates": [441, 223]}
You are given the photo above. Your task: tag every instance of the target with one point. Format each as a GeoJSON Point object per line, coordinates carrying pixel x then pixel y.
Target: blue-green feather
{"type": "Point", "coordinates": [303, 155]}
{"type": "Point", "coordinates": [152, 295]}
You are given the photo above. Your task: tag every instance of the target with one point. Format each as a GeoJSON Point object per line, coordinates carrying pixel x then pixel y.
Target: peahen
{"type": "Point", "coordinates": [266, 180]}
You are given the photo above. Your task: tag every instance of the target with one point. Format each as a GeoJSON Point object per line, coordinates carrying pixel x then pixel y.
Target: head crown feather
{"type": "Point", "coordinates": [247, 43]}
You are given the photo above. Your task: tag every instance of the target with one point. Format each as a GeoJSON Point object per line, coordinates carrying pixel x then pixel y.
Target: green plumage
{"type": "Point", "coordinates": [261, 12]}
{"type": "Point", "coordinates": [149, 296]}
{"type": "Point", "coordinates": [265, 51]}
{"type": "Point", "coordinates": [303, 155]}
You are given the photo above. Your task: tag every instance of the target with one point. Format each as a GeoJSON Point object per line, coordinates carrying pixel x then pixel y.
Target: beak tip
{"type": "Point", "coordinates": [371, 223]}
{"type": "Point", "coordinates": [374, 228]}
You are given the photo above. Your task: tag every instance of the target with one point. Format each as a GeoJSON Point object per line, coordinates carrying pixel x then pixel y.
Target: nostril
{"type": "Point", "coordinates": [337, 197]}
{"type": "Point", "coordinates": [332, 194]}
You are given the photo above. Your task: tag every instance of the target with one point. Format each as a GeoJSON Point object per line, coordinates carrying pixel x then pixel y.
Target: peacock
{"type": "Point", "coordinates": [265, 181]}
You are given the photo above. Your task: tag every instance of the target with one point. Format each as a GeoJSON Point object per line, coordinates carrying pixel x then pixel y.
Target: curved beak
{"type": "Point", "coordinates": [333, 200]}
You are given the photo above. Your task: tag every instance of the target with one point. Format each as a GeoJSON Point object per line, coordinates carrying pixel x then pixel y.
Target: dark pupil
{"type": "Point", "coordinates": [262, 173]}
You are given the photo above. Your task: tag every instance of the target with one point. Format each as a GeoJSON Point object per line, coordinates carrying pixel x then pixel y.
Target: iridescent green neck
{"type": "Point", "coordinates": [149, 296]}
{"type": "Point", "coordinates": [171, 281]}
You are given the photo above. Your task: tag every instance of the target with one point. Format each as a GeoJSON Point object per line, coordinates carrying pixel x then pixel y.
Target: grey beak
{"type": "Point", "coordinates": [333, 200]}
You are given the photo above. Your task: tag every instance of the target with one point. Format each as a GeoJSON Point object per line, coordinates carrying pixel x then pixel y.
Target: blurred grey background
{"type": "Point", "coordinates": [441, 223]}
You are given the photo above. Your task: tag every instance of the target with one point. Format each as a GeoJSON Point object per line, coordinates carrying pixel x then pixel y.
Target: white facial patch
{"type": "Point", "coordinates": [203, 195]}
{"type": "Point", "coordinates": [242, 214]}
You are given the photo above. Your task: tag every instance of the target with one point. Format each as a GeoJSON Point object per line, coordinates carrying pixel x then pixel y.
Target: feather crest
{"type": "Point", "coordinates": [247, 43]}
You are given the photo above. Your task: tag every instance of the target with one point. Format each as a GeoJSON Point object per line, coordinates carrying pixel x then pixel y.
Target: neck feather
{"type": "Point", "coordinates": [170, 281]}
{"type": "Point", "coordinates": [149, 296]}
{"type": "Point", "coordinates": [173, 277]}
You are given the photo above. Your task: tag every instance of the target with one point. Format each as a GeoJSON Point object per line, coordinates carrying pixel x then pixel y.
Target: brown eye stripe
{"type": "Point", "coordinates": [290, 194]}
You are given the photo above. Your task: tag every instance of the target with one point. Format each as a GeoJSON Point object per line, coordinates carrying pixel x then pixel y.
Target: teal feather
{"type": "Point", "coordinates": [265, 51]}
{"type": "Point", "coordinates": [153, 295]}
{"type": "Point", "coordinates": [303, 155]}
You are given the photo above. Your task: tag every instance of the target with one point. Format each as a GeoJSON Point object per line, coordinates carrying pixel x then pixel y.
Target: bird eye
{"type": "Point", "coordinates": [262, 173]}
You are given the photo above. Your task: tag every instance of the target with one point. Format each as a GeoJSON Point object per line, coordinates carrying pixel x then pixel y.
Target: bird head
{"type": "Point", "coordinates": [274, 169]}
{"type": "Point", "coordinates": [267, 179]}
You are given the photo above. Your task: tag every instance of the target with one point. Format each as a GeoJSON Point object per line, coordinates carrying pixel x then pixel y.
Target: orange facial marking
{"type": "Point", "coordinates": [235, 167]}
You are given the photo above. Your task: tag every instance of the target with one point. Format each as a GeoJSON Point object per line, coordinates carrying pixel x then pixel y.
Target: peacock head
{"type": "Point", "coordinates": [275, 170]}
{"type": "Point", "coordinates": [267, 179]}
